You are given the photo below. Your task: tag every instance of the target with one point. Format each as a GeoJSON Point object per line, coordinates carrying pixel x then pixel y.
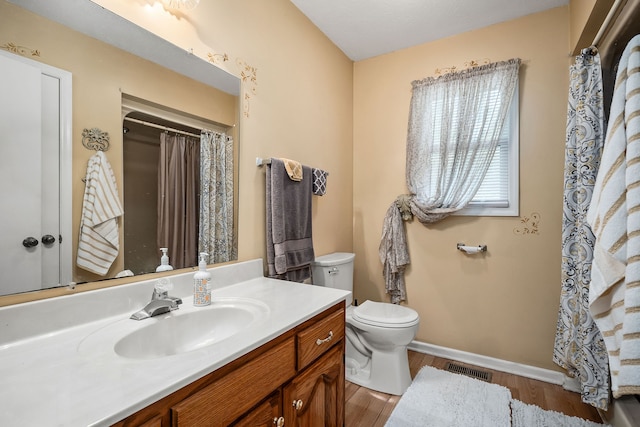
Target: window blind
{"type": "Point", "coordinates": [494, 190]}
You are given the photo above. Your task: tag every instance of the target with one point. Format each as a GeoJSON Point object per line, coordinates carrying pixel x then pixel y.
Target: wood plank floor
{"type": "Point", "coordinates": [368, 408]}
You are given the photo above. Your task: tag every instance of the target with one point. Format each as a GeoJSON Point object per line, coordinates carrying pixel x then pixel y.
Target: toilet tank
{"type": "Point", "coordinates": [334, 271]}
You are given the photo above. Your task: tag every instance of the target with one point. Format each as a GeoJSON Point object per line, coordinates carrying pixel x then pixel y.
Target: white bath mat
{"type": "Point", "coordinates": [437, 398]}
{"type": "Point", "coordinates": [525, 415]}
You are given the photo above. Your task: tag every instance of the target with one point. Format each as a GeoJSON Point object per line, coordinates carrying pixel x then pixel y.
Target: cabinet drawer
{"type": "Point", "coordinates": [237, 392]}
{"type": "Point", "coordinates": [318, 338]}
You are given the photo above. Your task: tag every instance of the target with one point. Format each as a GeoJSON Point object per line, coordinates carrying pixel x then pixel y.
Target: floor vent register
{"type": "Point", "coordinates": [470, 372]}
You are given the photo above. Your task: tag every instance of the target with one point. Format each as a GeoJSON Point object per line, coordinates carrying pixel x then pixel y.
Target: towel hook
{"type": "Point", "coordinates": [95, 139]}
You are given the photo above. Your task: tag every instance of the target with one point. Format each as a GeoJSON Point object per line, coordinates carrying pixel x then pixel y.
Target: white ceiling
{"type": "Point", "coordinates": [366, 28]}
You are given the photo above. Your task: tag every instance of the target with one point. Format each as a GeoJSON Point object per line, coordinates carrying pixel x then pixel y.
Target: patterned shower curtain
{"type": "Point", "coordinates": [579, 346]}
{"type": "Point", "coordinates": [216, 235]}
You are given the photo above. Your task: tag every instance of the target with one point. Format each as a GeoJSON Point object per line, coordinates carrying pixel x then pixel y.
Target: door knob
{"type": "Point", "coordinates": [278, 422]}
{"type": "Point", "coordinates": [30, 242]}
{"type": "Point", "coordinates": [48, 239]}
{"type": "Point", "coordinates": [298, 404]}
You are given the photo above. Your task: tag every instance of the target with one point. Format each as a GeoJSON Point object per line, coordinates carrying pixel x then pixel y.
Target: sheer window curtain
{"type": "Point", "coordinates": [216, 197]}
{"type": "Point", "coordinates": [579, 347]}
{"type": "Point", "coordinates": [178, 187]}
{"type": "Point", "coordinates": [455, 122]}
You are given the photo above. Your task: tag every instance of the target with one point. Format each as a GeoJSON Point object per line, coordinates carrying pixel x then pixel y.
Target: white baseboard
{"type": "Point", "coordinates": [527, 371]}
{"type": "Point", "coordinates": [571, 384]}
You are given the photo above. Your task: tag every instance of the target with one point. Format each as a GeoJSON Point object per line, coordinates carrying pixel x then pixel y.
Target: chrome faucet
{"type": "Point", "coordinates": [160, 303]}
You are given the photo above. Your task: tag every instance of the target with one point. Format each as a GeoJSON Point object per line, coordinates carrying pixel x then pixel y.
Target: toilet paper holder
{"type": "Point", "coordinates": [471, 249]}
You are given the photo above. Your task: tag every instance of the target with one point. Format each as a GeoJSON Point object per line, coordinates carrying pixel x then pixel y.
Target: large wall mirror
{"type": "Point", "coordinates": [124, 78]}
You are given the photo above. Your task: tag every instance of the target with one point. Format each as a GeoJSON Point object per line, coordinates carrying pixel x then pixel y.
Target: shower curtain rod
{"type": "Point", "coordinates": [607, 22]}
{"type": "Point", "coordinates": [166, 128]}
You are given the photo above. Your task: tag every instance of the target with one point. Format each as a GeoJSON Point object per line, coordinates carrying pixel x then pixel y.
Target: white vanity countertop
{"type": "Point", "coordinates": [58, 379]}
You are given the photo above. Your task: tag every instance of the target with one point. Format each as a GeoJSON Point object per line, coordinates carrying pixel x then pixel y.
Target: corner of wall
{"type": "Point", "coordinates": [585, 19]}
{"type": "Point", "coordinates": [625, 412]}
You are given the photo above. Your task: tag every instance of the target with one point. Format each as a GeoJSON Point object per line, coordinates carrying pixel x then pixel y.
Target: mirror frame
{"type": "Point", "coordinates": [102, 24]}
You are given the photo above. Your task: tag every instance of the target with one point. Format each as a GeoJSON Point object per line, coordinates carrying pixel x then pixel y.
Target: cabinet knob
{"type": "Point", "coordinates": [327, 339]}
{"type": "Point", "coordinates": [298, 404]}
{"type": "Point", "coordinates": [278, 422]}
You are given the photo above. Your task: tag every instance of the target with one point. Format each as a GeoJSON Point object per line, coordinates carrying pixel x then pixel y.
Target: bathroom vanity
{"type": "Point", "coordinates": [266, 352]}
{"type": "Point", "coordinates": [297, 379]}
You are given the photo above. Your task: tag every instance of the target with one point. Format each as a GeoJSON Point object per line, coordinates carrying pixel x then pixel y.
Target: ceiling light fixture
{"type": "Point", "coordinates": [182, 4]}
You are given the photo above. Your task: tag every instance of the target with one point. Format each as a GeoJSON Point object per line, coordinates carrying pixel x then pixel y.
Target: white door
{"type": "Point", "coordinates": [30, 178]}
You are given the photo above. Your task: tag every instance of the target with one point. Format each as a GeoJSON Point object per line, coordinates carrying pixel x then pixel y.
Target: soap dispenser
{"type": "Point", "coordinates": [202, 283]}
{"type": "Point", "coordinates": [164, 261]}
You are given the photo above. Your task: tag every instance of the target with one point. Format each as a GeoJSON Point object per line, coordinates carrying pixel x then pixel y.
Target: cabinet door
{"type": "Point", "coordinates": [225, 400]}
{"type": "Point", "coordinates": [315, 398]}
{"type": "Point", "coordinates": [267, 414]}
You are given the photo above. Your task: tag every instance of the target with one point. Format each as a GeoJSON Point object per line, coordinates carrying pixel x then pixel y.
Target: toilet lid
{"type": "Point", "coordinates": [385, 314]}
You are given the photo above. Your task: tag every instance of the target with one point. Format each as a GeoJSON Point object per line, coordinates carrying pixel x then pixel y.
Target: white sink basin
{"type": "Point", "coordinates": [180, 331]}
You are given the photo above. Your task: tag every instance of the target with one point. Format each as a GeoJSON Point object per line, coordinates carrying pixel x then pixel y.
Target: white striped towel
{"type": "Point", "coordinates": [614, 216]}
{"type": "Point", "coordinates": [98, 244]}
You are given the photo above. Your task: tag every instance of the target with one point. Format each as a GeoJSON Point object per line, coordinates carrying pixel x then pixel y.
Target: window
{"type": "Point", "coordinates": [455, 126]}
{"type": "Point", "coordinates": [498, 195]}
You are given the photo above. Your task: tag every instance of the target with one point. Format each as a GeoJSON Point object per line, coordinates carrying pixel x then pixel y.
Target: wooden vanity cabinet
{"type": "Point", "coordinates": [297, 379]}
{"type": "Point", "coordinates": [317, 394]}
{"type": "Point", "coordinates": [238, 391]}
{"type": "Point", "coordinates": [266, 414]}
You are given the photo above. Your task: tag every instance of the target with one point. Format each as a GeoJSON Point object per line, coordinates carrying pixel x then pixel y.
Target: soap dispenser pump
{"type": "Point", "coordinates": [202, 283]}
{"type": "Point", "coordinates": [164, 261]}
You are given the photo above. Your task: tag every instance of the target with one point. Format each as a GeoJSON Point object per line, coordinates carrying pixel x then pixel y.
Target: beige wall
{"type": "Point", "coordinates": [585, 19]}
{"type": "Point", "coordinates": [504, 303]}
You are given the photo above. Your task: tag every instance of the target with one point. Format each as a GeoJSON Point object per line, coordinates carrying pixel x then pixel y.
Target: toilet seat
{"type": "Point", "coordinates": [385, 315]}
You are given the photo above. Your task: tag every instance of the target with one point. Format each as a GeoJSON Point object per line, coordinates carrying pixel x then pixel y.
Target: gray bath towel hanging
{"type": "Point", "coordinates": [289, 230]}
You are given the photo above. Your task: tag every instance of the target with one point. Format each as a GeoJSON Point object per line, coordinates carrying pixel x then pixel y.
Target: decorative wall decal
{"type": "Point", "coordinates": [475, 63]}
{"type": "Point", "coordinates": [217, 58]}
{"type": "Point", "coordinates": [248, 75]}
{"type": "Point", "coordinates": [529, 225]}
{"type": "Point", "coordinates": [20, 50]}
{"type": "Point", "coordinates": [95, 139]}
{"type": "Point", "coordinates": [451, 69]}
{"type": "Point", "coordinates": [468, 64]}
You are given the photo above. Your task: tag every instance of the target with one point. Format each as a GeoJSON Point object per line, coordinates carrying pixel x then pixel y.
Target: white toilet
{"type": "Point", "coordinates": [377, 333]}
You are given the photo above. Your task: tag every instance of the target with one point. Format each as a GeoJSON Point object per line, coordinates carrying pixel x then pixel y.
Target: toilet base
{"type": "Point", "coordinates": [391, 372]}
